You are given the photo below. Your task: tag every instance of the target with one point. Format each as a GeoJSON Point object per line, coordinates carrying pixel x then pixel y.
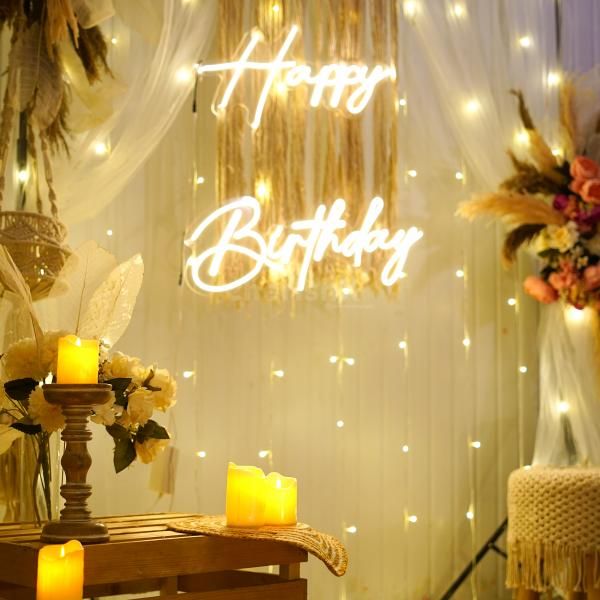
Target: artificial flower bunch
{"type": "Point", "coordinates": [552, 204]}
{"type": "Point", "coordinates": [137, 392]}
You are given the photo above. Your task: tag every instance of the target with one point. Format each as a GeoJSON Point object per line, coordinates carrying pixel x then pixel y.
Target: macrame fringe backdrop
{"type": "Point", "coordinates": [296, 145]}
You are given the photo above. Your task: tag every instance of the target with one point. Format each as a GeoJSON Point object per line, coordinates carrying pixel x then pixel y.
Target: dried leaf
{"type": "Point", "coordinates": [83, 273]}
{"type": "Point", "coordinates": [516, 238]}
{"type": "Point", "coordinates": [111, 306]}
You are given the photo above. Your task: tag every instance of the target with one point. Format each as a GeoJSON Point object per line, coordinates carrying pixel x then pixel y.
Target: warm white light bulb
{"type": "Point", "coordinates": [264, 453]}
{"type": "Point", "coordinates": [109, 232]}
{"type": "Point", "coordinates": [557, 152]}
{"type": "Point", "coordinates": [339, 424]}
{"type": "Point", "coordinates": [459, 10]}
{"type": "Point", "coordinates": [411, 173]}
{"type": "Point", "coordinates": [352, 529]}
{"type": "Point", "coordinates": [575, 315]}
{"type": "Point", "coordinates": [333, 359]}
{"type": "Point", "coordinates": [262, 190]}
{"type": "Point", "coordinates": [279, 373]}
{"type": "Point", "coordinates": [459, 175]}
{"type": "Point", "coordinates": [412, 518]}
{"type": "Point", "coordinates": [522, 137]}
{"type": "Point", "coordinates": [511, 302]}
{"type": "Point", "coordinates": [350, 361]}
{"type": "Point", "coordinates": [470, 515]}
{"type": "Point", "coordinates": [476, 444]}
{"type": "Point", "coordinates": [200, 180]}
{"type": "Point", "coordinates": [276, 8]}
{"type": "Point", "coordinates": [347, 291]}
{"type": "Point", "coordinates": [523, 369]}
{"type": "Point", "coordinates": [466, 342]}
{"type": "Point", "coordinates": [410, 8]}
{"type": "Point", "coordinates": [201, 454]}
{"type": "Point", "coordinates": [525, 41]}
{"type": "Point", "coordinates": [460, 273]}
{"type": "Point", "coordinates": [405, 449]}
{"type": "Point", "coordinates": [188, 374]}
{"type": "Point", "coordinates": [472, 106]}
{"type": "Point", "coordinates": [403, 345]}
{"type": "Point", "coordinates": [402, 102]}
{"type": "Point", "coordinates": [114, 41]}
{"type": "Point", "coordinates": [563, 407]}
{"type": "Point", "coordinates": [553, 78]}
{"type": "Point", "coordinates": [100, 148]}
{"type": "Point", "coordinates": [23, 175]}
{"type": "Point", "coordinates": [184, 75]}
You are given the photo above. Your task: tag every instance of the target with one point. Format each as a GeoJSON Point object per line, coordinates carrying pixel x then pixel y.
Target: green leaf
{"type": "Point", "coordinates": [26, 425]}
{"type": "Point", "coordinates": [152, 430]}
{"type": "Point", "coordinates": [124, 454]}
{"type": "Point", "coordinates": [20, 389]}
{"type": "Point", "coordinates": [118, 431]}
{"type": "Point", "coordinates": [119, 386]}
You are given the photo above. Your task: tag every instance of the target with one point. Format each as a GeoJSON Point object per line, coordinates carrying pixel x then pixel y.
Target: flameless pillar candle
{"type": "Point", "coordinates": [77, 360]}
{"type": "Point", "coordinates": [245, 503]}
{"type": "Point", "coordinates": [60, 572]}
{"type": "Point", "coordinates": [281, 500]}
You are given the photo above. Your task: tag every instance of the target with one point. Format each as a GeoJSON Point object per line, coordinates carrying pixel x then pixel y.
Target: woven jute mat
{"type": "Point", "coordinates": [321, 545]}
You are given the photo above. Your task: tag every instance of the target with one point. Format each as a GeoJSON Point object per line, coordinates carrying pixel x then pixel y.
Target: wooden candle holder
{"type": "Point", "coordinates": [76, 523]}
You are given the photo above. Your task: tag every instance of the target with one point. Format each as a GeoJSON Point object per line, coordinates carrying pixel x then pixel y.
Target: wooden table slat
{"type": "Point", "coordinates": [291, 590]}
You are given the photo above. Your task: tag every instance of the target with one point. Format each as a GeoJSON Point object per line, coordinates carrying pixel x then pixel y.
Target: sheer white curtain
{"type": "Point", "coordinates": [154, 46]}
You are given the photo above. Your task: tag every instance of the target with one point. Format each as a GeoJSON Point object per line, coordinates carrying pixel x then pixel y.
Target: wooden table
{"type": "Point", "coordinates": [143, 556]}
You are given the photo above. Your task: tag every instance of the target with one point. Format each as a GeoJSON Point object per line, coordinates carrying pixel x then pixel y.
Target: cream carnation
{"type": "Point", "coordinates": [150, 449]}
{"type": "Point", "coordinates": [49, 416]}
{"type": "Point", "coordinates": [120, 365]}
{"type": "Point", "coordinates": [104, 414]}
{"type": "Point", "coordinates": [22, 358]}
{"type": "Point", "coordinates": [165, 397]}
{"type": "Point", "coordinates": [560, 238]}
{"type": "Point", "coordinates": [140, 406]}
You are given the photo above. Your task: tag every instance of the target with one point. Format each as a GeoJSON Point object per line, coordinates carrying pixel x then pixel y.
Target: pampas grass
{"type": "Point", "coordinates": [514, 209]}
{"type": "Point", "coordinates": [567, 118]}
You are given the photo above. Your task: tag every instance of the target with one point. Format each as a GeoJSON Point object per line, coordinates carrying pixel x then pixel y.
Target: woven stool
{"type": "Point", "coordinates": [554, 532]}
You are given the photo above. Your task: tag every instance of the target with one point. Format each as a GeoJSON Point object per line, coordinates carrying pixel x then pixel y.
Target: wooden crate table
{"type": "Point", "coordinates": [143, 556]}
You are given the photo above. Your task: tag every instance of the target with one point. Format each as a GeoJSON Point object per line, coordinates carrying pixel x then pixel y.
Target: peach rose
{"type": "Point", "coordinates": [585, 168]}
{"type": "Point", "coordinates": [537, 288]}
{"type": "Point", "coordinates": [576, 185]}
{"type": "Point", "coordinates": [590, 191]}
{"type": "Point", "coordinates": [591, 278]}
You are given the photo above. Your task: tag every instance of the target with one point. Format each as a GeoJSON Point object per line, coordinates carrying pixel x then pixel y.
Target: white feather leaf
{"type": "Point", "coordinates": [111, 306]}
{"type": "Point", "coordinates": [83, 273]}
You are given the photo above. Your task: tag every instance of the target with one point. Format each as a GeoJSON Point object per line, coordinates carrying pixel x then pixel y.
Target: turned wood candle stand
{"type": "Point", "coordinates": [76, 523]}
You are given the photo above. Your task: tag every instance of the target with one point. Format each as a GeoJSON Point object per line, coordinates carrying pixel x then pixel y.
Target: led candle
{"type": "Point", "coordinates": [245, 504]}
{"type": "Point", "coordinates": [77, 360]}
{"type": "Point", "coordinates": [281, 500]}
{"type": "Point", "coordinates": [60, 572]}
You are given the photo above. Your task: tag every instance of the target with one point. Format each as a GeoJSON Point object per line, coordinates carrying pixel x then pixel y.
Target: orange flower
{"type": "Point", "coordinates": [537, 288]}
{"type": "Point", "coordinates": [585, 168]}
{"type": "Point", "coordinates": [590, 191]}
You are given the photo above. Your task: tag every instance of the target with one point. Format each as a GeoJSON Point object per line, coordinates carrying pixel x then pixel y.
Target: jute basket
{"type": "Point", "coordinates": [35, 243]}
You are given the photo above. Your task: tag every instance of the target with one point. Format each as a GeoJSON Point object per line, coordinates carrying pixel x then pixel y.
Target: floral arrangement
{"type": "Point", "coordinates": [552, 204]}
{"type": "Point", "coordinates": [97, 298]}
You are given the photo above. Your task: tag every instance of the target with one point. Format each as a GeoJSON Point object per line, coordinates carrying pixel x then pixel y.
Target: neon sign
{"type": "Point", "coordinates": [337, 84]}
{"type": "Point", "coordinates": [326, 232]}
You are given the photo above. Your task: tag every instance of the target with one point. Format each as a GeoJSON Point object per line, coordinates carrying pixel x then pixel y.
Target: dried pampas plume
{"type": "Point", "coordinates": [60, 19]}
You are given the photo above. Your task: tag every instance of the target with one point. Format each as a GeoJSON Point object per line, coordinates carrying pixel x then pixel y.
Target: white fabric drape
{"type": "Point", "coordinates": [158, 75]}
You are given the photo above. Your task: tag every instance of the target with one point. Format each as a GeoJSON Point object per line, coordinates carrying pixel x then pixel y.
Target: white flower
{"type": "Point", "coordinates": [140, 406]}
{"type": "Point", "coordinates": [104, 414]}
{"type": "Point", "coordinates": [560, 238]}
{"type": "Point", "coordinates": [165, 397]}
{"type": "Point", "coordinates": [120, 365]}
{"type": "Point", "coordinates": [49, 416]}
{"type": "Point", "coordinates": [7, 436]}
{"type": "Point", "coordinates": [150, 449]}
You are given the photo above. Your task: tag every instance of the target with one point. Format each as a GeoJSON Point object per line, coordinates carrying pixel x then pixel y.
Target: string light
{"type": "Point", "coordinates": [553, 78]}
{"type": "Point", "coordinates": [511, 302]}
{"type": "Point", "coordinates": [262, 190]}
{"type": "Point", "coordinates": [101, 148]}
{"type": "Point", "coordinates": [575, 315]}
{"type": "Point", "coordinates": [476, 444]}
{"type": "Point", "coordinates": [460, 273]}
{"type": "Point", "coordinates": [42, 271]}
{"type": "Point", "coordinates": [459, 10]}
{"type": "Point", "coordinates": [412, 518]}
{"type": "Point", "coordinates": [333, 359]}
{"type": "Point", "coordinates": [188, 374]}
{"type": "Point", "coordinates": [200, 180]}
{"type": "Point", "coordinates": [523, 369]}
{"type": "Point", "coordinates": [23, 175]}
{"type": "Point", "coordinates": [201, 454]}
{"type": "Point", "coordinates": [184, 74]}
{"type": "Point", "coordinates": [339, 424]}
{"type": "Point", "coordinates": [278, 373]}
{"type": "Point", "coordinates": [281, 88]}
{"type": "Point", "coordinates": [522, 137]}
{"type": "Point", "coordinates": [527, 467]}
{"type": "Point", "coordinates": [563, 407]}
{"type": "Point", "coordinates": [403, 345]}
{"type": "Point", "coordinates": [557, 152]}
{"type": "Point", "coordinates": [351, 529]}
{"type": "Point", "coordinates": [264, 453]}
{"type": "Point", "coordinates": [525, 41]}
{"type": "Point", "coordinates": [411, 173]}
{"type": "Point", "coordinates": [466, 342]}
{"type": "Point", "coordinates": [405, 449]}
{"type": "Point", "coordinates": [349, 361]}
{"type": "Point", "coordinates": [470, 515]}
{"type": "Point", "coordinates": [472, 106]}
{"type": "Point", "coordinates": [402, 102]}
{"type": "Point", "coordinates": [276, 8]}
{"type": "Point", "coordinates": [347, 291]}
{"type": "Point", "coordinates": [114, 41]}
{"type": "Point", "coordinates": [459, 175]}
{"type": "Point", "coordinates": [410, 8]}
{"type": "Point", "coordinates": [109, 232]}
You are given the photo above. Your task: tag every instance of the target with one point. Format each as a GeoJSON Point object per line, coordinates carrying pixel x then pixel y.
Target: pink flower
{"type": "Point", "coordinates": [584, 168]}
{"type": "Point", "coordinates": [565, 278]}
{"type": "Point", "coordinates": [540, 290]}
{"type": "Point", "coordinates": [590, 191]}
{"type": "Point", "coordinates": [591, 278]}
{"type": "Point", "coordinates": [576, 185]}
